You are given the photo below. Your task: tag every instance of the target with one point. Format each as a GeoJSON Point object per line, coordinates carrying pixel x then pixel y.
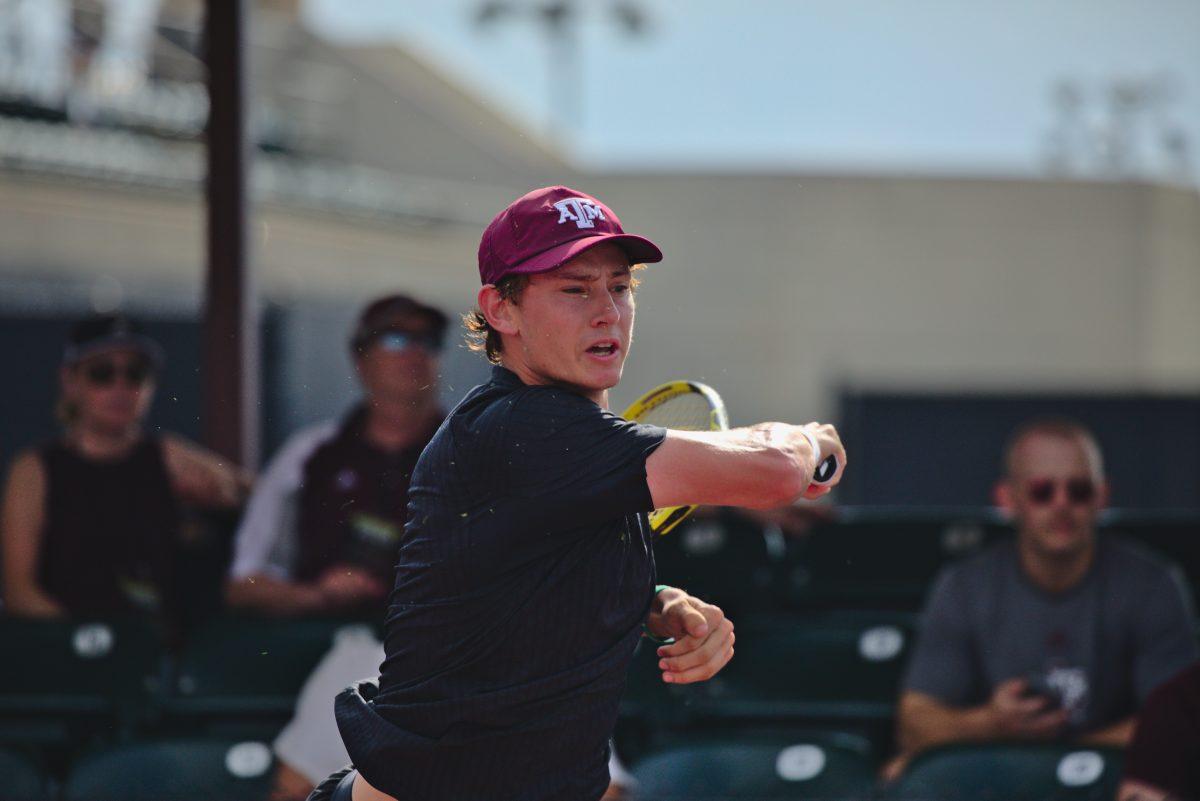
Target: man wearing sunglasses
{"type": "Point", "coordinates": [1058, 634]}
{"type": "Point", "coordinates": [321, 530]}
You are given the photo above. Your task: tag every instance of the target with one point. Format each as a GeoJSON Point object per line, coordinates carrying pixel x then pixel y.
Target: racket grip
{"type": "Point", "coordinates": [825, 470]}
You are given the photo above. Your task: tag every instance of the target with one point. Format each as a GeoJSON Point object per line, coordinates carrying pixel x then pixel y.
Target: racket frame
{"type": "Point", "coordinates": [663, 520]}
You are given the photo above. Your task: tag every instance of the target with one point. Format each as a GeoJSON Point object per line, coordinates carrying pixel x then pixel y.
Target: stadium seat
{"type": "Point", "coordinates": [69, 681]}
{"type": "Point", "coordinates": [816, 768]}
{"type": "Point", "coordinates": [22, 781]}
{"type": "Point", "coordinates": [178, 770]}
{"type": "Point", "coordinates": [831, 665]}
{"type": "Point", "coordinates": [879, 559]}
{"type": "Point", "coordinates": [722, 557]}
{"type": "Point", "coordinates": [241, 675]}
{"type": "Point", "coordinates": [833, 670]}
{"type": "Point", "coordinates": [1176, 538]}
{"type": "Point", "coordinates": [1011, 773]}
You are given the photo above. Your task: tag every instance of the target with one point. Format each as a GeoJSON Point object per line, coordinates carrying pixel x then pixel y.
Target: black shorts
{"type": "Point", "coordinates": [336, 787]}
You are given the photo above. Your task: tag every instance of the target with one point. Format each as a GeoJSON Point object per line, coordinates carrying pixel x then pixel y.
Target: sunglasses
{"type": "Point", "coordinates": [105, 373]}
{"type": "Point", "coordinates": [397, 341]}
{"type": "Point", "coordinates": [1079, 490]}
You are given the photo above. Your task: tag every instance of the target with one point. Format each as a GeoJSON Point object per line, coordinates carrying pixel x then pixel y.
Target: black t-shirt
{"type": "Point", "coordinates": [110, 532]}
{"type": "Point", "coordinates": [525, 573]}
{"type": "Point", "coordinates": [1165, 752]}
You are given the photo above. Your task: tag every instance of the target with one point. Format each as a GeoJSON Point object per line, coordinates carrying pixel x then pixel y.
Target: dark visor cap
{"type": "Point", "coordinates": [396, 312]}
{"type": "Point", "coordinates": [108, 332]}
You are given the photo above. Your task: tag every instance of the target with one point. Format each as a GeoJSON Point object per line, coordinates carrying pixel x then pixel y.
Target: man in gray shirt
{"type": "Point", "coordinates": [1060, 634]}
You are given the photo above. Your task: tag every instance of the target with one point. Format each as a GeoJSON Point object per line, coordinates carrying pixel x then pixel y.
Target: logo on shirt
{"type": "Point", "coordinates": [579, 211]}
{"type": "Point", "coordinates": [1071, 684]}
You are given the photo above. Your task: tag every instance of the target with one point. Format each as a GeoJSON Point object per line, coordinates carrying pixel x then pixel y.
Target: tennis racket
{"type": "Point", "coordinates": [691, 406]}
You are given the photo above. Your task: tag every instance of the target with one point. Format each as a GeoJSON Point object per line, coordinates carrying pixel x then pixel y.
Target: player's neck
{"type": "Point", "coordinates": [533, 378]}
{"type": "Point", "coordinates": [1055, 574]}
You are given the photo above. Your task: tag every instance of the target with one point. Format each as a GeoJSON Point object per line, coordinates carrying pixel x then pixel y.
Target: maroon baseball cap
{"type": "Point", "coordinates": [547, 227]}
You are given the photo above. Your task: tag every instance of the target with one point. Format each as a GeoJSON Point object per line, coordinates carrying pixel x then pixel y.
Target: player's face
{"type": "Point", "coordinates": [575, 323]}
{"type": "Point", "coordinates": [1055, 495]}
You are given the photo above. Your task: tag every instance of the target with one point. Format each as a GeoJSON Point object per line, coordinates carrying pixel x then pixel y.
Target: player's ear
{"type": "Point", "coordinates": [501, 314]}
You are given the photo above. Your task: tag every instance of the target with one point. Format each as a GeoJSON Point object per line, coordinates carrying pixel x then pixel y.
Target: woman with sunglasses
{"type": "Point", "coordinates": [90, 519]}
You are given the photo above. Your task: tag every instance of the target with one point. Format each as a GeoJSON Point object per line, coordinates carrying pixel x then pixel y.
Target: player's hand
{"type": "Point", "coordinates": [345, 585]}
{"type": "Point", "coordinates": [831, 445]}
{"type": "Point", "coordinates": [1017, 715]}
{"type": "Point", "coordinates": [703, 637]}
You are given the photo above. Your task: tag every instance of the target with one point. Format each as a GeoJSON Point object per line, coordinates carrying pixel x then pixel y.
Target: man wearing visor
{"type": "Point", "coordinates": [322, 528]}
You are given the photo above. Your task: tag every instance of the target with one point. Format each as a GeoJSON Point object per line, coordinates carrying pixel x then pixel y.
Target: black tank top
{"type": "Point", "coordinates": [110, 532]}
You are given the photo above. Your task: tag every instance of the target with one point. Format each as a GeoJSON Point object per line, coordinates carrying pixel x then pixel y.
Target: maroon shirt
{"type": "Point", "coordinates": [354, 502]}
{"type": "Point", "coordinates": [1165, 752]}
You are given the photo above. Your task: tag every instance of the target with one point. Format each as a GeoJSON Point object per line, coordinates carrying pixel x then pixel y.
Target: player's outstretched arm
{"type": "Point", "coordinates": [760, 467]}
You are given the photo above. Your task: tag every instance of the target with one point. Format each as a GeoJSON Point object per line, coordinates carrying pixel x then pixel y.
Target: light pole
{"type": "Point", "coordinates": [559, 20]}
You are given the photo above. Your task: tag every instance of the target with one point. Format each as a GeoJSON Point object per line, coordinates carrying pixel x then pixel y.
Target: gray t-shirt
{"type": "Point", "coordinates": [1103, 645]}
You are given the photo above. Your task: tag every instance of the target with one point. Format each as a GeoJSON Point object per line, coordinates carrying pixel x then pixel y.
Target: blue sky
{"type": "Point", "coordinates": [920, 85]}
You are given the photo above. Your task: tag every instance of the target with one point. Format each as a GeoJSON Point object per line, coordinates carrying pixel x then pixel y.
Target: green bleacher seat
{"type": "Point", "coordinates": [65, 681]}
{"type": "Point", "coordinates": [1018, 772]}
{"type": "Point", "coordinates": [724, 558]}
{"type": "Point", "coordinates": [824, 665]}
{"type": "Point", "coordinates": [1175, 537]}
{"type": "Point", "coordinates": [176, 770]}
{"type": "Point", "coordinates": [22, 781]}
{"type": "Point", "coordinates": [835, 670]}
{"type": "Point", "coordinates": [812, 768]}
{"type": "Point", "coordinates": [242, 675]}
{"type": "Point", "coordinates": [879, 559]}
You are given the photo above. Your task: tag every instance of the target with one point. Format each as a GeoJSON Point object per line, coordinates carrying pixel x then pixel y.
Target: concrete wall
{"type": "Point", "coordinates": [780, 290]}
{"type": "Point", "coordinates": [777, 290]}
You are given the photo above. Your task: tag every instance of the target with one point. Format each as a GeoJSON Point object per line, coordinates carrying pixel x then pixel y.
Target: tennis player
{"type": "Point", "coordinates": [526, 574]}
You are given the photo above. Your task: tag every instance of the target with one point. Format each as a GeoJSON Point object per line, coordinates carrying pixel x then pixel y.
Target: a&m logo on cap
{"type": "Point", "coordinates": [580, 211]}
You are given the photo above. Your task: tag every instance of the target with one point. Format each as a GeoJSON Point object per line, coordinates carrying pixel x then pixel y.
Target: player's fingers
{"type": "Point", "coordinates": [685, 645]}
{"type": "Point", "coordinates": [693, 622]}
{"type": "Point", "coordinates": [704, 652]}
{"type": "Point", "coordinates": [701, 672]}
{"type": "Point", "coordinates": [815, 491]}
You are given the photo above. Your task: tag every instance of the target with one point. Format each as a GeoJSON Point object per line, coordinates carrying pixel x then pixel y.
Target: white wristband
{"type": "Point", "coordinates": [816, 447]}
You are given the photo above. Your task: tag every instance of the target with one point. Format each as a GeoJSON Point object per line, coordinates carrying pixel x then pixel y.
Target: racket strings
{"type": "Point", "coordinates": [690, 412]}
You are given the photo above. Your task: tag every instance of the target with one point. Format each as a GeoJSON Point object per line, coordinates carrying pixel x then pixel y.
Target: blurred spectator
{"type": "Point", "coordinates": [322, 529]}
{"type": "Point", "coordinates": [1163, 761]}
{"type": "Point", "coordinates": [309, 747]}
{"type": "Point", "coordinates": [621, 783]}
{"type": "Point", "coordinates": [1061, 633]}
{"type": "Point", "coordinates": [91, 520]}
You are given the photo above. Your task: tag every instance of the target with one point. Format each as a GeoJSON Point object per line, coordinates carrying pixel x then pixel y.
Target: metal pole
{"type": "Point", "coordinates": [230, 357]}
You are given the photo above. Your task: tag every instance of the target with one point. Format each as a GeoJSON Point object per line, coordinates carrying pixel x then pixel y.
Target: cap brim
{"type": "Point", "coordinates": [639, 250]}
{"type": "Point", "coordinates": [136, 342]}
